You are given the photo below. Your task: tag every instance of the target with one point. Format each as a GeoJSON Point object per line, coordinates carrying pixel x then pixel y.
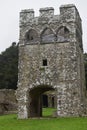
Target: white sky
{"type": "Point", "coordinates": [9, 17]}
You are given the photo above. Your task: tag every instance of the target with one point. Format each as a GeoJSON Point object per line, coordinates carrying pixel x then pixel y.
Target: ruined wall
{"type": "Point", "coordinates": [50, 55]}
{"type": "Point", "coordinates": [8, 102]}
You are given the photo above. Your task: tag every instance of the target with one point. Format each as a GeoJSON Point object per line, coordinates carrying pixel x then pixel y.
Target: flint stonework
{"type": "Point", "coordinates": [57, 40]}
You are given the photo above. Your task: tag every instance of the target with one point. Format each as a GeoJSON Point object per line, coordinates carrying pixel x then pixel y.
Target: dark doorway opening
{"type": "Point", "coordinates": [38, 100]}
{"type": "Point", "coordinates": [52, 101]}
{"type": "Point", "coordinates": [45, 100]}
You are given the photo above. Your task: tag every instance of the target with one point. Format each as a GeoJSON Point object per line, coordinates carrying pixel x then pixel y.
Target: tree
{"type": "Point", "coordinates": [9, 67]}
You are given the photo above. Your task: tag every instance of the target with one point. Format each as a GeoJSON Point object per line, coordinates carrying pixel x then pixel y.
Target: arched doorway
{"type": "Point", "coordinates": [35, 95]}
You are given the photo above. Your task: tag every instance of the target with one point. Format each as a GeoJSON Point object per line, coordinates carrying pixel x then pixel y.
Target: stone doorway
{"type": "Point", "coordinates": [36, 100]}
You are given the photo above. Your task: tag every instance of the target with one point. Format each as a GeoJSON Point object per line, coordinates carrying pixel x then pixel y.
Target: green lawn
{"type": "Point", "coordinates": [48, 112]}
{"type": "Point", "coordinates": [10, 122]}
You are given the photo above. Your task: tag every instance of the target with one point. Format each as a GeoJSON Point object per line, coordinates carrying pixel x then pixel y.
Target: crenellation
{"type": "Point", "coordinates": [67, 12]}
{"type": "Point", "coordinates": [26, 16]}
{"type": "Point", "coordinates": [47, 12]}
{"type": "Point", "coordinates": [27, 11]}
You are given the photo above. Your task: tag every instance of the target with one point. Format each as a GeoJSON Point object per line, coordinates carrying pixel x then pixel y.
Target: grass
{"type": "Point", "coordinates": [48, 112]}
{"type": "Point", "coordinates": [10, 122]}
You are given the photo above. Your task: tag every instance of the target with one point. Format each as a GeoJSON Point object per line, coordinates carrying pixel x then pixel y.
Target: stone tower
{"type": "Point", "coordinates": [51, 58]}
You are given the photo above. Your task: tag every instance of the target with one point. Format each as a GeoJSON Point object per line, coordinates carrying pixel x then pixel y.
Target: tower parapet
{"type": "Point", "coordinates": [26, 15]}
{"type": "Point", "coordinates": [68, 11]}
{"type": "Point", "coordinates": [47, 12]}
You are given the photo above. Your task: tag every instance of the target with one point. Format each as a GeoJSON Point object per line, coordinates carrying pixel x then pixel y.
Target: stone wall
{"type": "Point", "coordinates": [8, 102]}
{"type": "Point", "coordinates": [51, 58]}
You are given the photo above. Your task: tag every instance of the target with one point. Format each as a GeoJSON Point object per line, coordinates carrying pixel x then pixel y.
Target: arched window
{"type": "Point", "coordinates": [63, 34]}
{"type": "Point", "coordinates": [47, 35]}
{"type": "Point", "coordinates": [31, 36]}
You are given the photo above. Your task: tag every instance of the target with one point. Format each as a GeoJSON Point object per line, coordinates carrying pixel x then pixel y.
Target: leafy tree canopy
{"type": "Point", "coordinates": [9, 67]}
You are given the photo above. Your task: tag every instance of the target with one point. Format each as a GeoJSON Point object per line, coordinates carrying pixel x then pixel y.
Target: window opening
{"type": "Point", "coordinates": [45, 62]}
{"type": "Point", "coordinates": [31, 38]}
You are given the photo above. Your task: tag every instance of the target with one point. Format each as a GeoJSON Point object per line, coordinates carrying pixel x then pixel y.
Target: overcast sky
{"type": "Point", "coordinates": [9, 17]}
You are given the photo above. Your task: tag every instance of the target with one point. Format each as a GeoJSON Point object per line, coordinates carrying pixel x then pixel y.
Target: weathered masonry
{"type": "Point", "coordinates": [51, 58]}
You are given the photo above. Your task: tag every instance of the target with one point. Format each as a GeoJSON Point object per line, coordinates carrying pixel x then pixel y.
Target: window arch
{"type": "Point", "coordinates": [63, 34]}
{"type": "Point", "coordinates": [47, 35]}
{"type": "Point", "coordinates": [31, 36]}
